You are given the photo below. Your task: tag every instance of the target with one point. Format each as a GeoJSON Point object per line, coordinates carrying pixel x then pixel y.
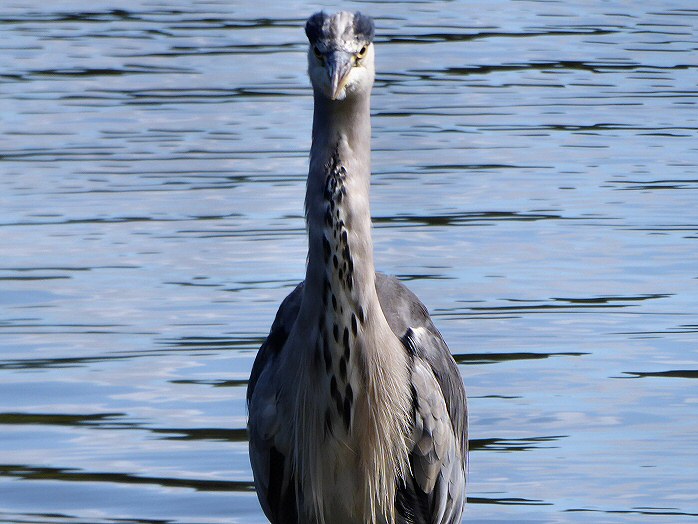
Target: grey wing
{"type": "Point", "coordinates": [267, 439]}
{"type": "Point", "coordinates": [435, 491]}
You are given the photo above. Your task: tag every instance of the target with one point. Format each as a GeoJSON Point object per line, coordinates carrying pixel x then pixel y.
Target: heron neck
{"type": "Point", "coordinates": [337, 197]}
{"type": "Point", "coordinates": [353, 369]}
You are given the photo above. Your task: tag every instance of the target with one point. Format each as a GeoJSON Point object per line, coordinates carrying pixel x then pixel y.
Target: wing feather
{"type": "Point", "coordinates": [269, 444]}
{"type": "Point", "coordinates": [435, 491]}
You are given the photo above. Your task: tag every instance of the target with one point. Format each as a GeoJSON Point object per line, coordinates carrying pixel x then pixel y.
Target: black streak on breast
{"type": "Point", "coordinates": [341, 310]}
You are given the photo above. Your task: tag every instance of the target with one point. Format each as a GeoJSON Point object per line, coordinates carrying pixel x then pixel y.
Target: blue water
{"type": "Point", "coordinates": [535, 183]}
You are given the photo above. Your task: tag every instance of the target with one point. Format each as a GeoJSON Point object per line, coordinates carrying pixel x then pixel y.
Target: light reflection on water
{"type": "Point", "coordinates": [535, 175]}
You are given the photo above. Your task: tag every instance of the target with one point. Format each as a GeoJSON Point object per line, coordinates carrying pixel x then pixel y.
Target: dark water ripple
{"type": "Point", "coordinates": [535, 171]}
{"type": "Point", "coordinates": [75, 475]}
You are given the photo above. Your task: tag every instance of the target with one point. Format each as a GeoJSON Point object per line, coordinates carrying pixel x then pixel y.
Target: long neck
{"type": "Point", "coordinates": [356, 391]}
{"type": "Point", "coordinates": [337, 197]}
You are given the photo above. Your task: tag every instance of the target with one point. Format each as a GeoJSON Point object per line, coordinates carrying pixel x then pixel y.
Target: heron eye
{"type": "Point", "coordinates": [317, 52]}
{"type": "Point", "coordinates": [362, 52]}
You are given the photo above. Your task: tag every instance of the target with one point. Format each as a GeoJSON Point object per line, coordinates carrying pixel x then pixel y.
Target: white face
{"type": "Point", "coordinates": [338, 72]}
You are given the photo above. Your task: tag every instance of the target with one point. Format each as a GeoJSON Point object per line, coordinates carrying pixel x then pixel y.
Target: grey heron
{"type": "Point", "coordinates": [357, 410]}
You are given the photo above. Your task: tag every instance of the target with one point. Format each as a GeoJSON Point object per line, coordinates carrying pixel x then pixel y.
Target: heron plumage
{"type": "Point", "coordinates": [357, 410]}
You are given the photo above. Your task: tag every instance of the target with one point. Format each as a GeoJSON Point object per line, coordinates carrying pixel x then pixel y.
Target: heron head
{"type": "Point", "coordinates": [340, 55]}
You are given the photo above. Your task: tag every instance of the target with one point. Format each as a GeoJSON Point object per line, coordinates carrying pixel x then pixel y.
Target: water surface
{"type": "Point", "coordinates": [535, 176]}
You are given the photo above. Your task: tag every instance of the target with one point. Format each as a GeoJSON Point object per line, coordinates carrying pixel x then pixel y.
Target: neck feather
{"type": "Point", "coordinates": [360, 364]}
{"type": "Point", "coordinates": [337, 197]}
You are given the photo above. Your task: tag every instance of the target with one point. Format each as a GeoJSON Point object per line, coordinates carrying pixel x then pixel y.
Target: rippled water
{"type": "Point", "coordinates": [536, 177]}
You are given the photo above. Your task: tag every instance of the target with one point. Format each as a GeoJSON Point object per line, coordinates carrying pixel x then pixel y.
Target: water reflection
{"type": "Point", "coordinates": [676, 373]}
{"type": "Point", "coordinates": [75, 475]}
{"type": "Point", "coordinates": [534, 182]}
{"type": "Point", "coordinates": [493, 358]}
{"type": "Point", "coordinates": [521, 444]}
